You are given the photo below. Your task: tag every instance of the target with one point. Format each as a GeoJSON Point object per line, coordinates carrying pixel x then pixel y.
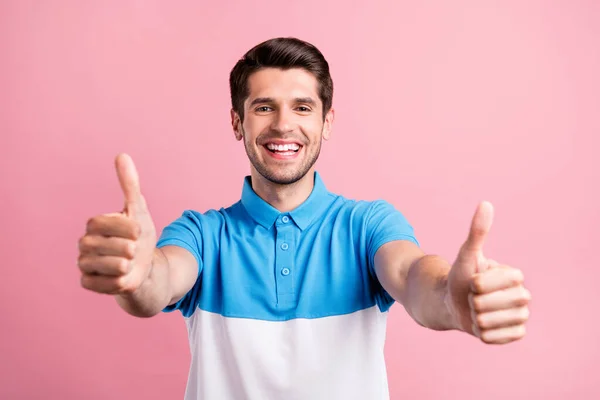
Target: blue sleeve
{"type": "Point", "coordinates": [185, 232]}
{"type": "Point", "coordinates": [385, 224]}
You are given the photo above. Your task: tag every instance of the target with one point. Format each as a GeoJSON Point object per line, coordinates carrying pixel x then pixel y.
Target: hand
{"type": "Point", "coordinates": [487, 299]}
{"type": "Point", "coordinates": [115, 254]}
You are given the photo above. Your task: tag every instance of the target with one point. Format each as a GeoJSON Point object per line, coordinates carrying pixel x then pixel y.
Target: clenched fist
{"type": "Point", "coordinates": [115, 254]}
{"type": "Point", "coordinates": [488, 299]}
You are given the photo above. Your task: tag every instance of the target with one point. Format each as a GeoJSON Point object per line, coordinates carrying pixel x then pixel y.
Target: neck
{"type": "Point", "coordinates": [283, 197]}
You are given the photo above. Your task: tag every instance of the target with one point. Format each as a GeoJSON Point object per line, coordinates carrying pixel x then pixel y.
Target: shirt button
{"type": "Point", "coordinates": [284, 246]}
{"type": "Point", "coordinates": [285, 271]}
{"type": "Point", "coordinates": [285, 219]}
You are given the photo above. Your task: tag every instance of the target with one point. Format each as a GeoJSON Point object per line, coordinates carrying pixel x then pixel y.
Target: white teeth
{"type": "Point", "coordinates": [283, 147]}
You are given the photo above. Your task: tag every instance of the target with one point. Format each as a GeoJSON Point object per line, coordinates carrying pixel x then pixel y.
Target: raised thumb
{"type": "Point", "coordinates": [480, 227]}
{"type": "Point", "coordinates": [129, 181]}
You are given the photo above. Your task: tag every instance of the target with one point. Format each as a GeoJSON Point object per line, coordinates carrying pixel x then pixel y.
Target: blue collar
{"type": "Point", "coordinates": [303, 215]}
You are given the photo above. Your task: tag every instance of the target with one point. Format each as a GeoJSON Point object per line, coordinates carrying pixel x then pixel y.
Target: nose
{"type": "Point", "coordinates": [283, 121]}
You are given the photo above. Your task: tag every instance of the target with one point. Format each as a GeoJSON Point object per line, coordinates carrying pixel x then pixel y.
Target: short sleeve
{"type": "Point", "coordinates": [185, 232]}
{"type": "Point", "coordinates": [384, 224]}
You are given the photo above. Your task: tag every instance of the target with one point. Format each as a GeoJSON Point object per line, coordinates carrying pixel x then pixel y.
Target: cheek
{"type": "Point", "coordinates": [247, 130]}
{"type": "Point", "coordinates": [314, 129]}
{"type": "Point", "coordinates": [252, 129]}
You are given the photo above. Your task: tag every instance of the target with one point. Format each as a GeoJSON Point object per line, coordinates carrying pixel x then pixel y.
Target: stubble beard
{"type": "Point", "coordinates": [276, 177]}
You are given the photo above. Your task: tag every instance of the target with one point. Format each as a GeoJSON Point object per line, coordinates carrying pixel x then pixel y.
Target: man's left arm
{"type": "Point", "coordinates": [474, 294]}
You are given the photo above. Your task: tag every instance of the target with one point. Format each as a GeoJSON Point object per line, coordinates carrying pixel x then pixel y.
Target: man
{"type": "Point", "coordinates": [285, 293]}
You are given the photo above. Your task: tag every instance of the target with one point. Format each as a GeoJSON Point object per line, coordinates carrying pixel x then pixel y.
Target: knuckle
{"type": "Point", "coordinates": [478, 232]}
{"type": "Point", "coordinates": [476, 283]}
{"type": "Point", "coordinates": [126, 284]}
{"type": "Point", "coordinates": [522, 297]}
{"type": "Point", "coordinates": [123, 265]}
{"type": "Point", "coordinates": [518, 277]}
{"type": "Point", "coordinates": [127, 290]}
{"type": "Point", "coordinates": [90, 224]}
{"type": "Point", "coordinates": [126, 287]}
{"type": "Point", "coordinates": [131, 247]}
{"type": "Point", "coordinates": [121, 284]}
{"type": "Point", "coordinates": [86, 282]}
{"type": "Point", "coordinates": [478, 304]}
{"type": "Point", "coordinates": [524, 314]}
{"type": "Point", "coordinates": [84, 243]}
{"type": "Point", "coordinates": [487, 338]}
{"type": "Point", "coordinates": [126, 248]}
{"type": "Point", "coordinates": [481, 321]}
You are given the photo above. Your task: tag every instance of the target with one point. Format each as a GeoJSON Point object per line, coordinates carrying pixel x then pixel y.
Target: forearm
{"type": "Point", "coordinates": [154, 294]}
{"type": "Point", "coordinates": [426, 293]}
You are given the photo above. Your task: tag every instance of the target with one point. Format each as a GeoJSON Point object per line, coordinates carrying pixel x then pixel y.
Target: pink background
{"type": "Point", "coordinates": [439, 105]}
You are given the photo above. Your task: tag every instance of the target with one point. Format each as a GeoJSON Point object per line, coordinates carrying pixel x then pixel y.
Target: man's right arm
{"type": "Point", "coordinates": [118, 254]}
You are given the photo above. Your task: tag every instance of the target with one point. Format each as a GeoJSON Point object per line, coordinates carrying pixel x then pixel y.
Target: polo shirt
{"type": "Point", "coordinates": [287, 305]}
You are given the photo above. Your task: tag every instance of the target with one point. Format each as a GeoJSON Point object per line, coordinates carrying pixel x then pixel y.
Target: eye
{"type": "Point", "coordinates": [263, 109]}
{"type": "Point", "coordinates": [303, 109]}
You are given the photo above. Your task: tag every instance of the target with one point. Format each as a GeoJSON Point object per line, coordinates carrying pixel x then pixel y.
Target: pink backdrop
{"type": "Point", "coordinates": [439, 105]}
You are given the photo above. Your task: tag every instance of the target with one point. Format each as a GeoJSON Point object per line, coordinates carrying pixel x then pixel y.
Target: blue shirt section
{"type": "Point", "coordinates": [315, 261]}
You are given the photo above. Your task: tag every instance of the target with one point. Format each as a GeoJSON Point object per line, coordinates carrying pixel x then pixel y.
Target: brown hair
{"type": "Point", "coordinates": [283, 53]}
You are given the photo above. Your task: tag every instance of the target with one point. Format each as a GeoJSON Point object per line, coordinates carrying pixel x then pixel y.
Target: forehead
{"type": "Point", "coordinates": [282, 84]}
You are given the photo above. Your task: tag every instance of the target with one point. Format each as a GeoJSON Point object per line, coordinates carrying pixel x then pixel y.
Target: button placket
{"type": "Point", "coordinates": [284, 260]}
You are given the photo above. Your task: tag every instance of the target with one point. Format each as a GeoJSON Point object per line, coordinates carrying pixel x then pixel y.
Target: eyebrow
{"type": "Point", "coordinates": [263, 100]}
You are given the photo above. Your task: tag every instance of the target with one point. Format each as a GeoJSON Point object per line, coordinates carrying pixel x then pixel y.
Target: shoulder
{"type": "Point", "coordinates": [365, 209]}
{"type": "Point", "coordinates": [377, 217]}
{"type": "Point", "coordinates": [214, 216]}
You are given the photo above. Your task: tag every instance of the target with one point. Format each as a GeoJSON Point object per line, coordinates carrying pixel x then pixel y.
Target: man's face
{"type": "Point", "coordinates": [283, 124]}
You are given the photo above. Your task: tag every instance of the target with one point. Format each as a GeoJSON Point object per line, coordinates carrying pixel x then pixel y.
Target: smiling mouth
{"type": "Point", "coordinates": [283, 149]}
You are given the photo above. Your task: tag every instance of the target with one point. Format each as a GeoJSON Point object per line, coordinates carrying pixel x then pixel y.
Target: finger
{"type": "Point", "coordinates": [502, 318]}
{"type": "Point", "coordinates": [107, 246]}
{"type": "Point", "coordinates": [498, 278]}
{"type": "Point", "coordinates": [104, 265]}
{"type": "Point", "coordinates": [480, 227]}
{"type": "Point", "coordinates": [129, 180]}
{"type": "Point", "coordinates": [502, 335]}
{"type": "Point", "coordinates": [117, 225]}
{"type": "Point", "coordinates": [516, 296]}
{"type": "Point", "coordinates": [105, 284]}
{"type": "Point", "coordinates": [483, 263]}
{"type": "Point", "coordinates": [491, 263]}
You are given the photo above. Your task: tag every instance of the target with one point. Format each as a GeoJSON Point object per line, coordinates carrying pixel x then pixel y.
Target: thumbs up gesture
{"type": "Point", "coordinates": [487, 298]}
{"type": "Point", "coordinates": [115, 254]}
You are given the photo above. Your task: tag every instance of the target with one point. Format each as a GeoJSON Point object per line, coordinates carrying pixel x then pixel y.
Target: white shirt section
{"type": "Point", "coordinates": [339, 357]}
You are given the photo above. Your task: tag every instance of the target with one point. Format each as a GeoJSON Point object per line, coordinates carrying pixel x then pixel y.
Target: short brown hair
{"type": "Point", "coordinates": [283, 53]}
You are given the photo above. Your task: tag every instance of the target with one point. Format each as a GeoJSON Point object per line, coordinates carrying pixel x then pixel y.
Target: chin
{"type": "Point", "coordinates": [281, 172]}
{"type": "Point", "coordinates": [281, 177]}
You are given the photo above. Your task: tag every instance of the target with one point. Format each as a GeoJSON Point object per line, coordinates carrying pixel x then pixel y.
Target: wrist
{"type": "Point", "coordinates": [142, 300]}
{"type": "Point", "coordinates": [454, 317]}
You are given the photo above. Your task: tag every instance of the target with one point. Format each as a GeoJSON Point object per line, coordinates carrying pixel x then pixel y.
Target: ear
{"type": "Point", "coordinates": [328, 124]}
{"type": "Point", "coordinates": [236, 124]}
